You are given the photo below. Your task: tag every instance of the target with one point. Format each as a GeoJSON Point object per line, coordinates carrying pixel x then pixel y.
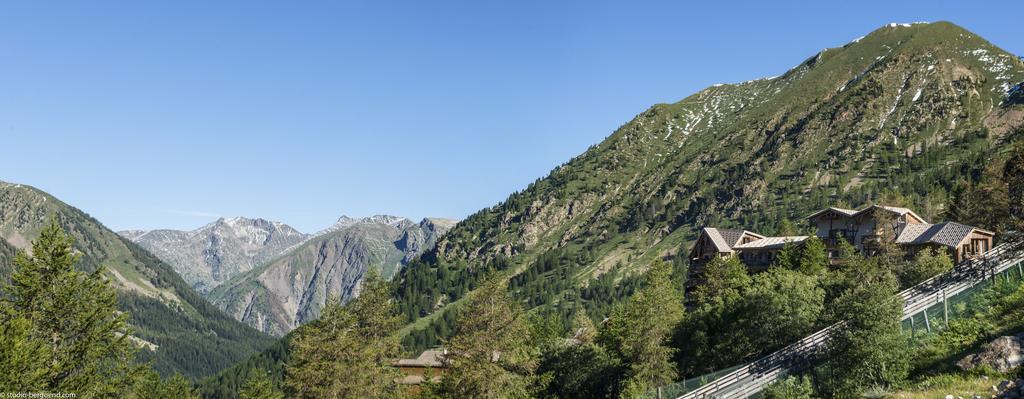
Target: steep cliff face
{"type": "Point", "coordinates": [291, 290]}
{"type": "Point", "coordinates": [210, 255]}
{"type": "Point", "coordinates": [905, 112]}
{"type": "Point", "coordinates": [182, 332]}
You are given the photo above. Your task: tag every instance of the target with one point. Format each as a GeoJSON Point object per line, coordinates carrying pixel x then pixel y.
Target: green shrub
{"type": "Point", "coordinates": [790, 388]}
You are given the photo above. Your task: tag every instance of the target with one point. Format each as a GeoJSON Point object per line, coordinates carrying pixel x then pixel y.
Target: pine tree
{"type": "Point", "coordinates": [985, 204]}
{"type": "Point", "coordinates": [149, 385]}
{"type": "Point", "coordinates": [725, 281]}
{"type": "Point", "coordinates": [490, 355]}
{"type": "Point", "coordinates": [583, 371]}
{"type": "Point", "coordinates": [258, 386]}
{"type": "Point", "coordinates": [813, 259]}
{"type": "Point", "coordinates": [786, 228]}
{"type": "Point", "coordinates": [789, 256]}
{"type": "Point", "coordinates": [23, 366]}
{"type": "Point", "coordinates": [868, 351]}
{"type": "Point", "coordinates": [348, 351]}
{"type": "Point", "coordinates": [177, 387]}
{"type": "Point", "coordinates": [69, 319]}
{"type": "Point", "coordinates": [929, 262]}
{"type": "Point", "coordinates": [780, 307]}
{"type": "Point", "coordinates": [883, 245]}
{"type": "Point", "coordinates": [583, 327]}
{"type": "Point", "coordinates": [717, 305]}
{"type": "Point", "coordinates": [1013, 173]}
{"type": "Point", "coordinates": [639, 332]}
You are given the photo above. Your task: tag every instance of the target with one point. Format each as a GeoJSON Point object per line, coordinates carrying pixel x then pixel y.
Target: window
{"type": "Point", "coordinates": [979, 245]}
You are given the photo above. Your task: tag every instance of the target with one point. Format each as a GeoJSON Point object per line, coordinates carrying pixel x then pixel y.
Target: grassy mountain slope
{"type": "Point", "coordinates": [899, 115]}
{"type": "Point", "coordinates": [187, 334]}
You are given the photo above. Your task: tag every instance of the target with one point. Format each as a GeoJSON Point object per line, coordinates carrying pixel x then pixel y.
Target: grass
{"type": "Point", "coordinates": [992, 312]}
{"type": "Point", "coordinates": [939, 386]}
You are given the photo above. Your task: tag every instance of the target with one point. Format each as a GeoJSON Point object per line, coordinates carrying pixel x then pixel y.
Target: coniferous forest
{"type": "Point", "coordinates": [683, 247]}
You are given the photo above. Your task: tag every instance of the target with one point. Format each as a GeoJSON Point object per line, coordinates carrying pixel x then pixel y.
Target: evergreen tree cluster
{"type": "Point", "coordinates": [192, 335]}
{"type": "Point", "coordinates": [495, 348]}
{"type": "Point", "coordinates": [61, 332]}
{"type": "Point", "coordinates": [547, 286]}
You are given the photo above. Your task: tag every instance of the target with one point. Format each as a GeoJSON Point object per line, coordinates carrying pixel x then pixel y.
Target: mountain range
{"type": "Point", "coordinates": [211, 254]}
{"type": "Point", "coordinates": [274, 278]}
{"type": "Point", "coordinates": [905, 114]}
{"type": "Point", "coordinates": [179, 331]}
{"type": "Point", "coordinates": [290, 290]}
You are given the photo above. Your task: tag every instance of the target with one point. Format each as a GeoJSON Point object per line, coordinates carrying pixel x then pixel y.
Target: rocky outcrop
{"type": "Point", "coordinates": [292, 289]}
{"type": "Point", "coordinates": [1010, 389]}
{"type": "Point", "coordinates": [208, 256]}
{"type": "Point", "coordinates": [844, 125]}
{"type": "Point", "coordinates": [1003, 355]}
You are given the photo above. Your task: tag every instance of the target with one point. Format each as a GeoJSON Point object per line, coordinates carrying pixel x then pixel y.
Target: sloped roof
{"type": "Point", "coordinates": [852, 212]}
{"type": "Point", "coordinates": [949, 234]}
{"type": "Point", "coordinates": [911, 233]}
{"type": "Point", "coordinates": [715, 235]}
{"type": "Point", "coordinates": [726, 239]}
{"type": "Point", "coordinates": [894, 209]}
{"type": "Point", "coordinates": [730, 236]}
{"type": "Point", "coordinates": [772, 242]}
{"type": "Point", "coordinates": [429, 358]}
{"type": "Point", "coordinates": [844, 211]}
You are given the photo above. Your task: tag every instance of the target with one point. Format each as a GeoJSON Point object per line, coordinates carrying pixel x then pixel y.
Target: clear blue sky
{"type": "Point", "coordinates": [167, 114]}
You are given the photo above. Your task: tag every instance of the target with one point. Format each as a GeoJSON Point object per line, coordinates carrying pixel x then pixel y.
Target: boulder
{"type": "Point", "coordinates": [1003, 354]}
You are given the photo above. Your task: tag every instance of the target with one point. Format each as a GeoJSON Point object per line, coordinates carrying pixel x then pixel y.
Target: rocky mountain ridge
{"type": "Point", "coordinates": [290, 290]}
{"type": "Point", "coordinates": [215, 252]}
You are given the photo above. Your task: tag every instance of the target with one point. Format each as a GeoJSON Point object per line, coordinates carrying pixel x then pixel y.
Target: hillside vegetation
{"type": "Point", "coordinates": [911, 114]}
{"type": "Point", "coordinates": [906, 115]}
{"type": "Point", "coordinates": [180, 331]}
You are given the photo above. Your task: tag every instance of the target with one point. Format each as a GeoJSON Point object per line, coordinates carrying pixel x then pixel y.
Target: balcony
{"type": "Point", "coordinates": [835, 235]}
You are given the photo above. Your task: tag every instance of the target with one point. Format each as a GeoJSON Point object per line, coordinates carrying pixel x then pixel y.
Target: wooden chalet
{"type": "Point", "coordinates": [861, 228]}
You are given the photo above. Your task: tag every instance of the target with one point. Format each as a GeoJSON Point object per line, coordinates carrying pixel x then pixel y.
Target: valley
{"type": "Point", "coordinates": [790, 233]}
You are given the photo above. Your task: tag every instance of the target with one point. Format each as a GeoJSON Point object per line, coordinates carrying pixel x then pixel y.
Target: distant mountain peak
{"type": "Point", "coordinates": [385, 219]}
{"type": "Point", "coordinates": [904, 24]}
{"type": "Point", "coordinates": [160, 306]}
{"type": "Point", "coordinates": [291, 289]}
{"type": "Point", "coordinates": [438, 223]}
{"type": "Point", "coordinates": [218, 250]}
{"type": "Point", "coordinates": [894, 110]}
{"type": "Point", "coordinates": [132, 235]}
{"type": "Point", "coordinates": [347, 221]}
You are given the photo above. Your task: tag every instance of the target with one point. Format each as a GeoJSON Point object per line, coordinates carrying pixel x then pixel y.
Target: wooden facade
{"type": "Point", "coordinates": [861, 228]}
{"type": "Point", "coordinates": [429, 365]}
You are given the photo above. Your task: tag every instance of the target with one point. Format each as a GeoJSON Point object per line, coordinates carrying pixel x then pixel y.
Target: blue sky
{"type": "Point", "coordinates": [169, 114]}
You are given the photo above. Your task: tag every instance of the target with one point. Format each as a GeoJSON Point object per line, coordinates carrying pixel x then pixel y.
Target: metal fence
{"type": "Point", "coordinates": [751, 378]}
